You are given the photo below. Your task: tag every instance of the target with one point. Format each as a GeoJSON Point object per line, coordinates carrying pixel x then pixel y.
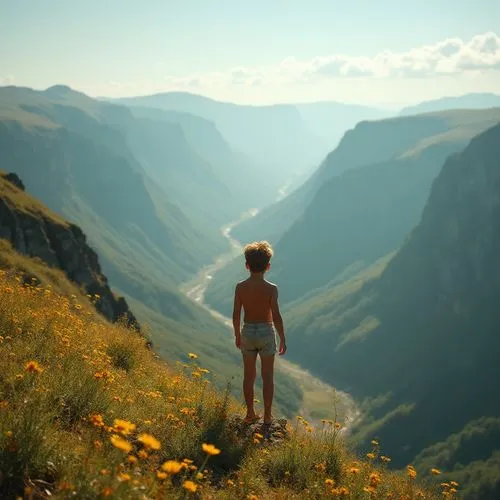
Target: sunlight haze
{"type": "Point", "coordinates": [384, 53]}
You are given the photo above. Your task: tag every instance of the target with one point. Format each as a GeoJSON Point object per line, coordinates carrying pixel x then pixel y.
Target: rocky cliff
{"type": "Point", "coordinates": [34, 231]}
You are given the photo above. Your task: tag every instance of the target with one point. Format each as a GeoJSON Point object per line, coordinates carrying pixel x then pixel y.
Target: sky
{"type": "Point", "coordinates": [385, 53]}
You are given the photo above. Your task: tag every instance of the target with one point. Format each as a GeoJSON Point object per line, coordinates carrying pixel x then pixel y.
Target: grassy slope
{"type": "Point", "coordinates": [87, 410]}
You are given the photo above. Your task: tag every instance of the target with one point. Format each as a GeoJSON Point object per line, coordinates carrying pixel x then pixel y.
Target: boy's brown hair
{"type": "Point", "coordinates": [258, 255]}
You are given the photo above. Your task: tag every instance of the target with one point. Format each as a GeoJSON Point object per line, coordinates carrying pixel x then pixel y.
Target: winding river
{"type": "Point", "coordinates": [320, 400]}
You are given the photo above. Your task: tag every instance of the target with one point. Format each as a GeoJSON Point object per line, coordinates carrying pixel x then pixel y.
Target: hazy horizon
{"type": "Point", "coordinates": [381, 55]}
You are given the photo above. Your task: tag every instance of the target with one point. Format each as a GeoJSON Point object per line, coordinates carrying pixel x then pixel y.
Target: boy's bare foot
{"type": "Point", "coordinates": [268, 419]}
{"type": "Point", "coordinates": [251, 419]}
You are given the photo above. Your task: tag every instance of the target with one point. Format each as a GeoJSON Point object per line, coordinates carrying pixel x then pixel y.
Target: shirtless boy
{"type": "Point", "coordinates": [259, 299]}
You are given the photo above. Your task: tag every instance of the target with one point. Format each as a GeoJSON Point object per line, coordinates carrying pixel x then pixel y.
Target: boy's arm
{"type": "Point", "coordinates": [278, 320]}
{"type": "Point", "coordinates": [237, 317]}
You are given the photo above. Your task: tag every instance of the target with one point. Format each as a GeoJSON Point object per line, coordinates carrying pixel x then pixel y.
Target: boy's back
{"type": "Point", "coordinates": [256, 296]}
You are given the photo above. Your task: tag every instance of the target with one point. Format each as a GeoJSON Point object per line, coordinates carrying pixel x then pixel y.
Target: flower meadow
{"type": "Point", "coordinates": [87, 410]}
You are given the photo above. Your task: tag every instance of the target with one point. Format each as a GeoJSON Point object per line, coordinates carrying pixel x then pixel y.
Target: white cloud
{"type": "Point", "coordinates": [451, 56]}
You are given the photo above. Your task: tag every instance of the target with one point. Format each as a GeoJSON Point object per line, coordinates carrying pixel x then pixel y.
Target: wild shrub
{"type": "Point", "coordinates": [122, 356]}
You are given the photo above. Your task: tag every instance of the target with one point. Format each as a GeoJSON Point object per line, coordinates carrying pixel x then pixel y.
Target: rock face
{"type": "Point", "coordinates": [59, 244]}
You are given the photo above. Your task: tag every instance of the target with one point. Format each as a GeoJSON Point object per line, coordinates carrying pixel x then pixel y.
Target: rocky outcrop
{"type": "Point", "coordinates": [14, 179]}
{"type": "Point", "coordinates": [267, 434]}
{"type": "Point", "coordinates": [59, 244]}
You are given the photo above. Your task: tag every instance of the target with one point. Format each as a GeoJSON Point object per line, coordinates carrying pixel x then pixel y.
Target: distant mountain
{"type": "Point", "coordinates": [234, 170]}
{"type": "Point", "coordinates": [360, 206]}
{"type": "Point", "coordinates": [467, 101]}
{"type": "Point", "coordinates": [330, 120]}
{"type": "Point", "coordinates": [275, 138]}
{"type": "Point", "coordinates": [417, 335]}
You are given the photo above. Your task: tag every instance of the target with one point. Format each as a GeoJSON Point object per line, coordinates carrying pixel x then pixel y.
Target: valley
{"type": "Point", "coordinates": [385, 252]}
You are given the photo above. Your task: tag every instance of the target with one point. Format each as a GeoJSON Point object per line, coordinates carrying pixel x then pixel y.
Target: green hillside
{"type": "Point", "coordinates": [419, 343]}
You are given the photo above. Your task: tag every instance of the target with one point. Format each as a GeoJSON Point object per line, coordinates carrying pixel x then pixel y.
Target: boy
{"type": "Point", "coordinates": [259, 299]}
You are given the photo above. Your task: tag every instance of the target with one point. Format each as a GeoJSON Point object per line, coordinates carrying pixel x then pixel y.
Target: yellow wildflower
{"type": "Point", "coordinates": [132, 459]}
{"type": "Point", "coordinates": [210, 449]}
{"type": "Point", "coordinates": [123, 426]}
{"type": "Point", "coordinates": [190, 486]}
{"type": "Point", "coordinates": [192, 355]}
{"type": "Point", "coordinates": [149, 441]}
{"type": "Point", "coordinates": [354, 470]}
{"type": "Point", "coordinates": [172, 466]}
{"type": "Point", "coordinates": [374, 442]}
{"type": "Point", "coordinates": [385, 459]}
{"type": "Point", "coordinates": [453, 483]}
{"type": "Point", "coordinates": [230, 482]}
{"type": "Point", "coordinates": [258, 435]}
{"type": "Point", "coordinates": [120, 443]}
{"type": "Point", "coordinates": [375, 479]}
{"type": "Point", "coordinates": [321, 467]}
{"type": "Point", "coordinates": [33, 367]}
{"type": "Point", "coordinates": [436, 472]}
{"type": "Point", "coordinates": [329, 482]}
{"type": "Point", "coordinates": [252, 497]}
{"type": "Point", "coordinates": [371, 456]}
{"type": "Point", "coordinates": [97, 420]}
{"type": "Point", "coordinates": [142, 454]}
{"type": "Point", "coordinates": [161, 475]}
{"type": "Point", "coordinates": [123, 477]}
{"type": "Point", "coordinates": [412, 473]}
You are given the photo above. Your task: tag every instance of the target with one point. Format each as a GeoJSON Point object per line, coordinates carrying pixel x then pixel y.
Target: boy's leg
{"type": "Point", "coordinates": [267, 371]}
{"type": "Point", "coordinates": [249, 372]}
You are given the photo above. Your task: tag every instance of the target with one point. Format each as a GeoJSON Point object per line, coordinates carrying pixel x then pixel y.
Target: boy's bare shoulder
{"type": "Point", "coordinates": [271, 285]}
{"type": "Point", "coordinates": [241, 283]}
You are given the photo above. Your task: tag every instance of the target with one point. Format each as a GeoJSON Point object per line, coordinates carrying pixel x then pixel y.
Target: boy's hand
{"type": "Point", "coordinates": [282, 348]}
{"type": "Point", "coordinates": [237, 341]}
